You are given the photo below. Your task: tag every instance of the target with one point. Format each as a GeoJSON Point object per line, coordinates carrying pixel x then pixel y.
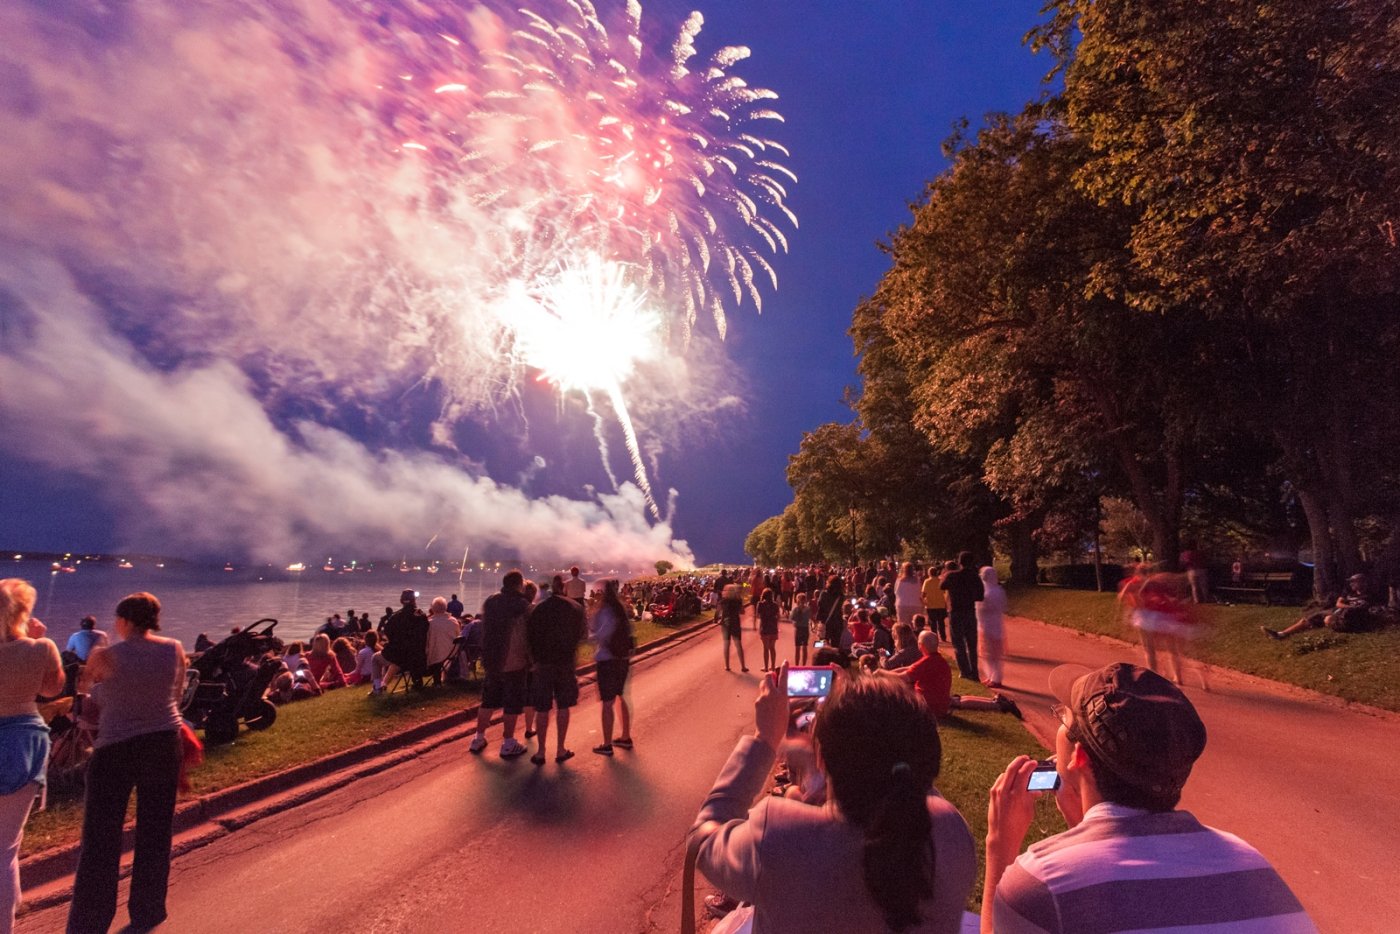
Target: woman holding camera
{"type": "Point", "coordinates": [886, 852]}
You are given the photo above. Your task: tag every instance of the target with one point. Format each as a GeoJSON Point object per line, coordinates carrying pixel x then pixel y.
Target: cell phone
{"type": "Point", "coordinates": [809, 682]}
{"type": "Point", "coordinates": [1044, 778]}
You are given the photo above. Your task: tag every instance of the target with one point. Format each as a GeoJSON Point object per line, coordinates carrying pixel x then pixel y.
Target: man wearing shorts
{"type": "Point", "coordinates": [505, 656]}
{"type": "Point", "coordinates": [553, 630]}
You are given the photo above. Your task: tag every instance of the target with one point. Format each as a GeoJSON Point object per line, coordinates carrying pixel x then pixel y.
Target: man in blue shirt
{"type": "Point", "coordinates": [87, 638]}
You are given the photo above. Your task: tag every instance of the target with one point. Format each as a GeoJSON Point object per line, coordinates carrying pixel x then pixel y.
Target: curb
{"type": "Point", "coordinates": [46, 875]}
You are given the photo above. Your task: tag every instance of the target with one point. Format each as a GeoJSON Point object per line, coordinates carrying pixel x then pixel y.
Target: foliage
{"type": "Point", "coordinates": [663, 567]}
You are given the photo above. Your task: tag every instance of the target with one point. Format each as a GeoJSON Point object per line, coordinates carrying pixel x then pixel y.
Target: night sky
{"type": "Point", "coordinates": [868, 92]}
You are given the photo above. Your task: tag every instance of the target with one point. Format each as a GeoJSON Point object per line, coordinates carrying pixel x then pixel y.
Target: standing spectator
{"type": "Point", "coordinates": [505, 655]}
{"type": "Point", "coordinates": [443, 630]}
{"type": "Point", "coordinates": [554, 630]}
{"type": "Point", "coordinates": [935, 603]}
{"type": "Point", "coordinates": [406, 635]}
{"type": "Point", "coordinates": [138, 747]}
{"type": "Point", "coordinates": [991, 627]}
{"type": "Point", "coordinates": [1197, 575]}
{"type": "Point", "coordinates": [964, 589]}
{"type": "Point", "coordinates": [908, 594]}
{"type": "Point", "coordinates": [789, 589]}
{"type": "Point", "coordinates": [575, 588]}
{"type": "Point", "coordinates": [455, 607]}
{"type": "Point", "coordinates": [87, 638]}
{"type": "Point", "coordinates": [1125, 746]}
{"type": "Point", "coordinates": [801, 628]}
{"type": "Point", "coordinates": [612, 637]}
{"type": "Point", "coordinates": [29, 666]}
{"type": "Point", "coordinates": [831, 610]}
{"type": "Point", "coordinates": [729, 615]}
{"type": "Point", "coordinates": [768, 612]}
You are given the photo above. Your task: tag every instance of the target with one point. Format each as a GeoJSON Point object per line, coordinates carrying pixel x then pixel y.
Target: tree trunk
{"type": "Point", "coordinates": [1324, 580]}
{"type": "Point", "coordinates": [1023, 553]}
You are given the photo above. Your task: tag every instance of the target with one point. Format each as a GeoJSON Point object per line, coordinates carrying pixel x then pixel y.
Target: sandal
{"type": "Point", "coordinates": [537, 758]}
{"type": "Point", "coordinates": [623, 743]}
{"type": "Point", "coordinates": [564, 756]}
{"type": "Point", "coordinates": [603, 749]}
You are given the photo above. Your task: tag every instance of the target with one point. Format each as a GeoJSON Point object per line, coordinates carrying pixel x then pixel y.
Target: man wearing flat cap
{"type": "Point", "coordinates": [1130, 861]}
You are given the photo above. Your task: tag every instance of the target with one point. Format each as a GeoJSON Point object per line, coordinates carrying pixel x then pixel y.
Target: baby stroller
{"type": "Point", "coordinates": [227, 683]}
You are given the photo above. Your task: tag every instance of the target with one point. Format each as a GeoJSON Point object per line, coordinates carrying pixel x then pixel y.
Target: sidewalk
{"type": "Point", "coordinates": [1307, 779]}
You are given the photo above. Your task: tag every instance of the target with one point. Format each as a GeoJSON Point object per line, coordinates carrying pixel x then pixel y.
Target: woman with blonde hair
{"type": "Point", "coordinates": [29, 667]}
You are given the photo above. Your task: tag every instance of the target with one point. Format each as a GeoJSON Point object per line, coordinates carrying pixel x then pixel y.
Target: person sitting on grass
{"type": "Point", "coordinates": [906, 644]}
{"type": "Point", "coordinates": [1351, 613]}
{"type": "Point", "coordinates": [344, 651]}
{"type": "Point", "coordinates": [325, 667]}
{"type": "Point", "coordinates": [362, 672]}
{"type": "Point", "coordinates": [932, 679]}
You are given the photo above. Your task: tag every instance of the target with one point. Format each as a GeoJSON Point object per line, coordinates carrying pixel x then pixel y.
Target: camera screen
{"type": "Point", "coordinates": [809, 682]}
{"type": "Point", "coordinates": [1043, 779]}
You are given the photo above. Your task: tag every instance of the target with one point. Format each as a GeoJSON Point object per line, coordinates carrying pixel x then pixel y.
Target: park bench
{"type": "Point", "coordinates": [1269, 586]}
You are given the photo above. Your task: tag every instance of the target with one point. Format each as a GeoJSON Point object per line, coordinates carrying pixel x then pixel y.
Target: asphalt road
{"type": "Point", "coordinates": [454, 842]}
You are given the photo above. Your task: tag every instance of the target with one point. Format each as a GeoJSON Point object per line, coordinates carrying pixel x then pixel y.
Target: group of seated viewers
{"type": "Point", "coordinates": [408, 642]}
{"type": "Point", "coordinates": [858, 831]}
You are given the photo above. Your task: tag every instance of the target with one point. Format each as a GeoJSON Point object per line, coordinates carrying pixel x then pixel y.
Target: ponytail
{"type": "Point", "coordinates": [880, 744]}
{"type": "Point", "coordinates": [898, 859]}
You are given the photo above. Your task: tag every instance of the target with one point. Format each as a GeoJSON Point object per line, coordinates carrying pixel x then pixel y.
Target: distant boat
{"type": "Point", "coordinates": [432, 569]}
{"type": "Point", "coordinates": [296, 567]}
{"type": "Point", "coordinates": [228, 567]}
{"type": "Point", "coordinates": [126, 565]}
{"type": "Point", "coordinates": [328, 567]}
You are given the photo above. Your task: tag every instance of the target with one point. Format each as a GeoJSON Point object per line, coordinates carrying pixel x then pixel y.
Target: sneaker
{"type": "Point", "coordinates": [1271, 633]}
{"type": "Point", "coordinates": [478, 743]}
{"type": "Point", "coordinates": [1008, 705]}
{"type": "Point", "coordinates": [512, 748]}
{"type": "Point", "coordinates": [717, 906]}
{"type": "Point", "coordinates": [603, 749]}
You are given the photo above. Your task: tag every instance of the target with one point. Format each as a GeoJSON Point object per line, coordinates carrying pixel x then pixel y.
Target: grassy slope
{"type": "Point", "coordinates": [1356, 667]}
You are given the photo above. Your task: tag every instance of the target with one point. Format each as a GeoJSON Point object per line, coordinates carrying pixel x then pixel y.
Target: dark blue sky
{"type": "Point", "coordinates": [869, 92]}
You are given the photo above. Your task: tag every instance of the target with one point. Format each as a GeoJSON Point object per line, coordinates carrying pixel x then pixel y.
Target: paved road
{"type": "Point", "coordinates": [452, 842]}
{"type": "Point", "coordinates": [1307, 780]}
{"type": "Point", "coordinates": [455, 843]}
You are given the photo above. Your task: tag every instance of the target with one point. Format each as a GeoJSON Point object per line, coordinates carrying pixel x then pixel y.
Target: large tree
{"type": "Point", "coordinates": [1258, 147]}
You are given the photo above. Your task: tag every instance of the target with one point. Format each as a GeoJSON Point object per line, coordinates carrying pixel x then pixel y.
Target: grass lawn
{"type": "Point", "coordinates": [976, 749]}
{"type": "Point", "coordinates": [304, 731]}
{"type": "Point", "coordinates": [1353, 666]}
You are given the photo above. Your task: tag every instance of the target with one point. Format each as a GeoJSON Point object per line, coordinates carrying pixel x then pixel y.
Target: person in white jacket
{"type": "Point", "coordinates": [991, 627]}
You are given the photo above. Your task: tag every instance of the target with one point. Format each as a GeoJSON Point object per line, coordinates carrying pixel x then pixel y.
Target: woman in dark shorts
{"type": "Point", "coordinates": [767, 612]}
{"type": "Point", "coordinates": [801, 628]}
{"type": "Point", "coordinates": [730, 618]}
{"type": "Point", "coordinates": [612, 636]}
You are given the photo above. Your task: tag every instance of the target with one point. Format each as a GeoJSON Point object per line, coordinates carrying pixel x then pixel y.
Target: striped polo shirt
{"type": "Point", "coordinates": [1123, 869]}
